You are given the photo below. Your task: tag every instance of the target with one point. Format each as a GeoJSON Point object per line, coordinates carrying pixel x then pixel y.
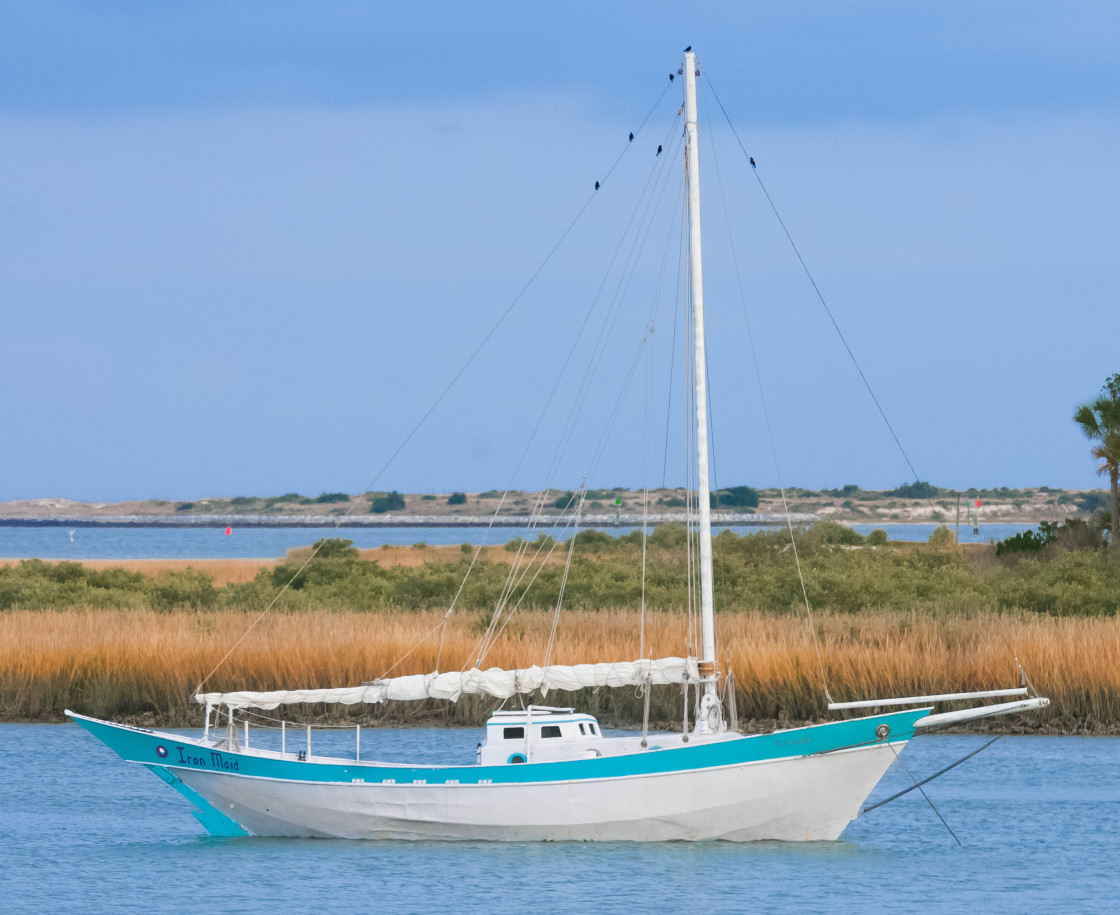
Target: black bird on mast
{"type": "Point", "coordinates": [658, 150]}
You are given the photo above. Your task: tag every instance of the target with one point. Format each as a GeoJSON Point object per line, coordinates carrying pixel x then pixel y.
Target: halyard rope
{"type": "Point", "coordinates": [819, 294]}
{"type": "Point", "coordinates": [769, 428]}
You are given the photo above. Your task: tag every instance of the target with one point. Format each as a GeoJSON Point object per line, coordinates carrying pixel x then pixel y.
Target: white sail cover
{"type": "Point", "coordinates": [491, 682]}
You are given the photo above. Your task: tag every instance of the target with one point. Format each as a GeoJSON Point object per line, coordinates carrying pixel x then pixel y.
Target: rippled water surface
{"type": "Point", "coordinates": [1038, 818]}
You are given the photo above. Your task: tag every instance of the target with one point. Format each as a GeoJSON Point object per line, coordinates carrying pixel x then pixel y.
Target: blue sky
{"type": "Point", "coordinates": [244, 246]}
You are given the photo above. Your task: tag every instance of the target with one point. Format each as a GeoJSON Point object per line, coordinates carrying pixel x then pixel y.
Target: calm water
{"type": "Point", "coordinates": [256, 542]}
{"type": "Point", "coordinates": [1039, 819]}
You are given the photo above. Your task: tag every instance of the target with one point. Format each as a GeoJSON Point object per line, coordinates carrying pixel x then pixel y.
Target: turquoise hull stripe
{"type": "Point", "coordinates": [158, 750]}
{"type": "Point", "coordinates": [213, 820]}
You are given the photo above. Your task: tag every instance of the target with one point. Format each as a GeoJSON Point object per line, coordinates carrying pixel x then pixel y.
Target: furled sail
{"type": "Point", "coordinates": [491, 682]}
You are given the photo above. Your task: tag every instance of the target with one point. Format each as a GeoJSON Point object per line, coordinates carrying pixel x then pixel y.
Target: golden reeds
{"type": "Point", "coordinates": [143, 663]}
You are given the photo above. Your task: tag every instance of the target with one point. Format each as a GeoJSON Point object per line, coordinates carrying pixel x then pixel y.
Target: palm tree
{"type": "Point", "coordinates": [1099, 419]}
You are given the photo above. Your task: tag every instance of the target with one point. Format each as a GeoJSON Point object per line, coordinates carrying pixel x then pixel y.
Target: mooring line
{"type": "Point", "coordinates": [940, 772]}
{"type": "Point", "coordinates": [918, 785]}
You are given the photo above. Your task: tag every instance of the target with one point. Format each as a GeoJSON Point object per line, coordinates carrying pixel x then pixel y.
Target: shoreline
{"type": "Point", "coordinates": [911, 504]}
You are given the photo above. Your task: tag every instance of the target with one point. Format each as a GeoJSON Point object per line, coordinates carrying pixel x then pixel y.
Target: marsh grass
{"type": "Point", "coordinates": [132, 639]}
{"type": "Point", "coordinates": [142, 665]}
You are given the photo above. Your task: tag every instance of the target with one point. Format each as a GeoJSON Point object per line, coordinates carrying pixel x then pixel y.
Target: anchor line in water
{"type": "Point", "coordinates": [937, 774]}
{"type": "Point", "coordinates": [918, 785]}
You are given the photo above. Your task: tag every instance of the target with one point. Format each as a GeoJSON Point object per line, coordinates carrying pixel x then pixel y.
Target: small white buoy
{"type": "Point", "coordinates": [71, 536]}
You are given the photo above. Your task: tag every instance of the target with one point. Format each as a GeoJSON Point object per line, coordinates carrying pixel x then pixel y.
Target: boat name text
{"type": "Point", "coordinates": [792, 741]}
{"type": "Point", "coordinates": [216, 761]}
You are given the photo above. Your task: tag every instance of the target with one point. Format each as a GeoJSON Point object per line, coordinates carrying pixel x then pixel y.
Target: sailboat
{"type": "Point", "coordinates": [546, 772]}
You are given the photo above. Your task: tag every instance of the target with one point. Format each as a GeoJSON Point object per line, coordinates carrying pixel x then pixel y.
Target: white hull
{"type": "Point", "coordinates": [797, 798]}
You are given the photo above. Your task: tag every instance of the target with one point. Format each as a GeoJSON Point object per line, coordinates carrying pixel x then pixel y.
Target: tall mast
{"type": "Point", "coordinates": [700, 367]}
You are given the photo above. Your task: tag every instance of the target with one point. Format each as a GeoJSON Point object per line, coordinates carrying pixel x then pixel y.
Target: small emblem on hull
{"type": "Point", "coordinates": [161, 752]}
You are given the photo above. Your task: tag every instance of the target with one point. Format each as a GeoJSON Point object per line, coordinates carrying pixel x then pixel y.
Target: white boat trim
{"type": "Point", "coordinates": [925, 700]}
{"type": "Point", "coordinates": [983, 711]}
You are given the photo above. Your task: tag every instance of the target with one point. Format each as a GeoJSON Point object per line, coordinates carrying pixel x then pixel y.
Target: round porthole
{"type": "Point", "coordinates": [516, 758]}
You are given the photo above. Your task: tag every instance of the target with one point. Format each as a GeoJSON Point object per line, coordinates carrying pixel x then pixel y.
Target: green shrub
{"type": "Point", "coordinates": [942, 537]}
{"type": "Point", "coordinates": [334, 548]}
{"type": "Point", "coordinates": [916, 490]}
{"type": "Point", "coordinates": [457, 498]}
{"type": "Point", "coordinates": [289, 497]}
{"type": "Point", "coordinates": [877, 537]}
{"type": "Point", "coordinates": [328, 497]}
{"type": "Point", "coordinates": [1023, 542]}
{"type": "Point", "coordinates": [595, 540]}
{"type": "Point", "coordinates": [753, 572]}
{"type": "Point", "coordinates": [735, 497]}
{"type": "Point", "coordinates": [831, 532]}
{"type": "Point", "coordinates": [172, 590]}
{"type": "Point", "coordinates": [382, 502]}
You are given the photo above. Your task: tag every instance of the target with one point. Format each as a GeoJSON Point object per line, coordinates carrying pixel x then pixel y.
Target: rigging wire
{"type": "Point", "coordinates": [572, 525]}
{"type": "Point", "coordinates": [817, 290]}
{"type": "Point", "coordinates": [648, 196]}
{"type": "Point", "coordinates": [643, 346]}
{"type": "Point", "coordinates": [626, 277]}
{"type": "Point", "coordinates": [758, 375]}
{"type": "Point", "coordinates": [563, 582]}
{"type": "Point", "coordinates": [488, 639]}
{"type": "Point", "coordinates": [766, 420]}
{"type": "Point", "coordinates": [599, 349]}
{"type": "Point", "coordinates": [673, 350]}
{"type": "Point", "coordinates": [447, 389]}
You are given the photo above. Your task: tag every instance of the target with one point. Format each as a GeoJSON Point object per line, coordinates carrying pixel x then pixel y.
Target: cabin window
{"type": "Point", "coordinates": [550, 730]}
{"type": "Point", "coordinates": [582, 729]}
{"type": "Point", "coordinates": [591, 728]}
{"type": "Point", "coordinates": [513, 733]}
